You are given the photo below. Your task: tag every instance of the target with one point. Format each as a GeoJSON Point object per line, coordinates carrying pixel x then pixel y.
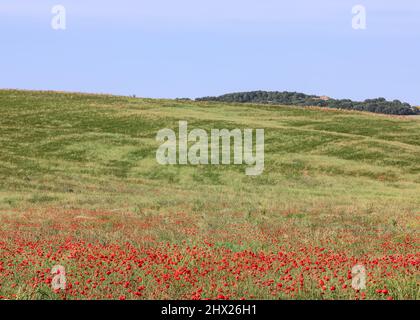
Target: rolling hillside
{"type": "Point", "coordinates": [341, 180]}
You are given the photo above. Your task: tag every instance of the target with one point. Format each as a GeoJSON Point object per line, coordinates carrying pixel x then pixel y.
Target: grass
{"type": "Point", "coordinates": [346, 180]}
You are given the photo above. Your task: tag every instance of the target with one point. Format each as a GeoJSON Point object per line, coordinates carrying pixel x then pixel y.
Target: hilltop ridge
{"type": "Point", "coordinates": [378, 105]}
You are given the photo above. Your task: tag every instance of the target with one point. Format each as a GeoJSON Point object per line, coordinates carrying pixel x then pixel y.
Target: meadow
{"type": "Point", "coordinates": [80, 187]}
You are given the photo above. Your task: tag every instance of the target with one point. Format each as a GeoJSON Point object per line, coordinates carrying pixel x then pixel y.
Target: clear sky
{"type": "Point", "coordinates": [193, 48]}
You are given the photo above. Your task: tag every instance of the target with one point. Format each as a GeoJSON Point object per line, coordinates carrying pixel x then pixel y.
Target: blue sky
{"type": "Point", "coordinates": [193, 48]}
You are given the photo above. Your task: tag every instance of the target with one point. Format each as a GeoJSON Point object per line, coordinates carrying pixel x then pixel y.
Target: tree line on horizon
{"type": "Point", "coordinates": [378, 105]}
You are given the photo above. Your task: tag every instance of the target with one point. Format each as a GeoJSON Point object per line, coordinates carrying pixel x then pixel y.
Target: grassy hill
{"type": "Point", "coordinates": [348, 181]}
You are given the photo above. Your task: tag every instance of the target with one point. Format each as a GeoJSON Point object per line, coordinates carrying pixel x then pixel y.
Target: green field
{"type": "Point", "coordinates": [350, 177]}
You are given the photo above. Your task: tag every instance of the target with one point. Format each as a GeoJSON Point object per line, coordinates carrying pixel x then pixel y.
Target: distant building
{"type": "Point", "coordinates": [324, 98]}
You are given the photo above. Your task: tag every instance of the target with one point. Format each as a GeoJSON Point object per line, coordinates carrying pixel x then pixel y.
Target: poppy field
{"type": "Point", "coordinates": [136, 267]}
{"type": "Point", "coordinates": [80, 188]}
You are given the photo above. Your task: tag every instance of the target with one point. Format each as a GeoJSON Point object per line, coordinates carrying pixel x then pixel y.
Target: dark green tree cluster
{"type": "Point", "coordinates": [379, 105]}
